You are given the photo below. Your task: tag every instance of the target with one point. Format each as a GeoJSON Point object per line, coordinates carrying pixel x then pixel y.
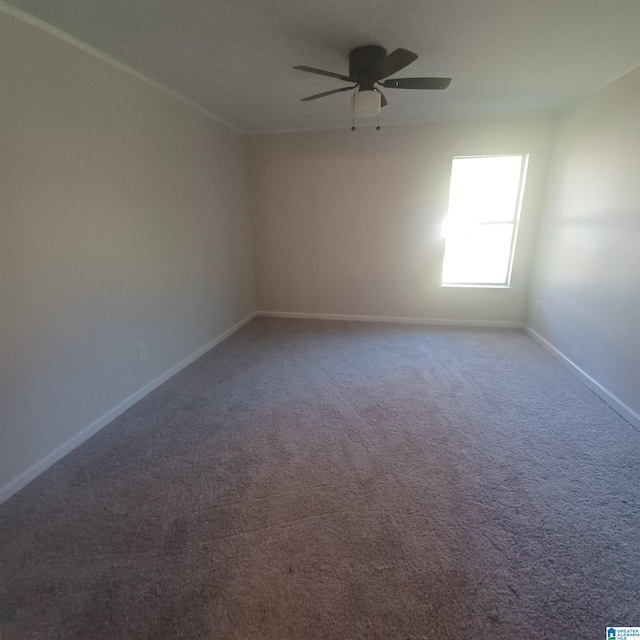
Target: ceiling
{"type": "Point", "coordinates": [235, 57]}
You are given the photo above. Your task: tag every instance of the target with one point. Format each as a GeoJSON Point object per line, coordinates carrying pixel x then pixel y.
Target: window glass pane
{"type": "Point", "coordinates": [478, 254]}
{"type": "Point", "coordinates": [484, 189]}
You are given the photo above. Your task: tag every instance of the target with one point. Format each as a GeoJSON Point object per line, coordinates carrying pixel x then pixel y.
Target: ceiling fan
{"type": "Point", "coordinates": [369, 68]}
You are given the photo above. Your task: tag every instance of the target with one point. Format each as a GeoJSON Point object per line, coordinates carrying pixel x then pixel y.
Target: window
{"type": "Point", "coordinates": [482, 222]}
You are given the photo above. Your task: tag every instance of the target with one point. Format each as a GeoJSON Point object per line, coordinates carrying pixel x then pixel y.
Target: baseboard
{"type": "Point", "coordinates": [631, 416]}
{"type": "Point", "coordinates": [391, 319]}
{"type": "Point", "coordinates": [13, 486]}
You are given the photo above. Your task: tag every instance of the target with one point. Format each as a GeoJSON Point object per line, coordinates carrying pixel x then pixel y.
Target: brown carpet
{"type": "Point", "coordinates": [338, 480]}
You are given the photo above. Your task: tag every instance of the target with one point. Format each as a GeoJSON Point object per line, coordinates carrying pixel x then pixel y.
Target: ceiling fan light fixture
{"type": "Point", "coordinates": [370, 65]}
{"type": "Point", "coordinates": [366, 104]}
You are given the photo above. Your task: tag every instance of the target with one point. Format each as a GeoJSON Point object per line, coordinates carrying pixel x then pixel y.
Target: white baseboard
{"type": "Point", "coordinates": [631, 416]}
{"type": "Point", "coordinates": [392, 319]}
{"type": "Point", "coordinates": [13, 486]}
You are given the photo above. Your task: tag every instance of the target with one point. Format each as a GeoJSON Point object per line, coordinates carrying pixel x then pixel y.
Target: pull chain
{"type": "Point", "coordinates": [353, 112]}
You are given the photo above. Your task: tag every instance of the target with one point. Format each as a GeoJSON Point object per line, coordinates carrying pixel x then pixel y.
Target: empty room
{"type": "Point", "coordinates": [319, 320]}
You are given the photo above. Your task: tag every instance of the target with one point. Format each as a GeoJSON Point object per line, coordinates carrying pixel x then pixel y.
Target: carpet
{"type": "Point", "coordinates": [337, 480]}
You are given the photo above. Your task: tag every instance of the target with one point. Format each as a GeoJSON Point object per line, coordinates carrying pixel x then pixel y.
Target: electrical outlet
{"type": "Point", "coordinates": [537, 306]}
{"type": "Point", "coordinates": [142, 350]}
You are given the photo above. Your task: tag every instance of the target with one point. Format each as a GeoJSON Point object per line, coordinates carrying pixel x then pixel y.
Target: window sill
{"type": "Point", "coordinates": [476, 286]}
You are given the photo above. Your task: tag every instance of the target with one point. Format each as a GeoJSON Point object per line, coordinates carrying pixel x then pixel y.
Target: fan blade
{"type": "Point", "coordinates": [325, 73]}
{"type": "Point", "coordinates": [328, 93]}
{"type": "Point", "coordinates": [417, 83]}
{"type": "Point", "coordinates": [383, 100]}
{"type": "Point", "coordinates": [395, 61]}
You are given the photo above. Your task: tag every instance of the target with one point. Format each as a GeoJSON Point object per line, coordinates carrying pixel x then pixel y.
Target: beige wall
{"type": "Point", "coordinates": [587, 270]}
{"type": "Point", "coordinates": [123, 218]}
{"type": "Point", "coordinates": [350, 222]}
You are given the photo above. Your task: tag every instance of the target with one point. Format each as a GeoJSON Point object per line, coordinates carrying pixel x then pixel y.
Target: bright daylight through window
{"type": "Point", "coordinates": [482, 222]}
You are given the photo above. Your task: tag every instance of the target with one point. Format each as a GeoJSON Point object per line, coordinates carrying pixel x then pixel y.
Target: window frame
{"type": "Point", "coordinates": [515, 223]}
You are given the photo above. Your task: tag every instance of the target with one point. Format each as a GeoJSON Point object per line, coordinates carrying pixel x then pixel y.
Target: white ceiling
{"type": "Point", "coordinates": [234, 57]}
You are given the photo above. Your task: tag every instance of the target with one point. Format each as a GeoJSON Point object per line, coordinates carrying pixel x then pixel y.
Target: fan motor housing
{"type": "Point", "coordinates": [364, 63]}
